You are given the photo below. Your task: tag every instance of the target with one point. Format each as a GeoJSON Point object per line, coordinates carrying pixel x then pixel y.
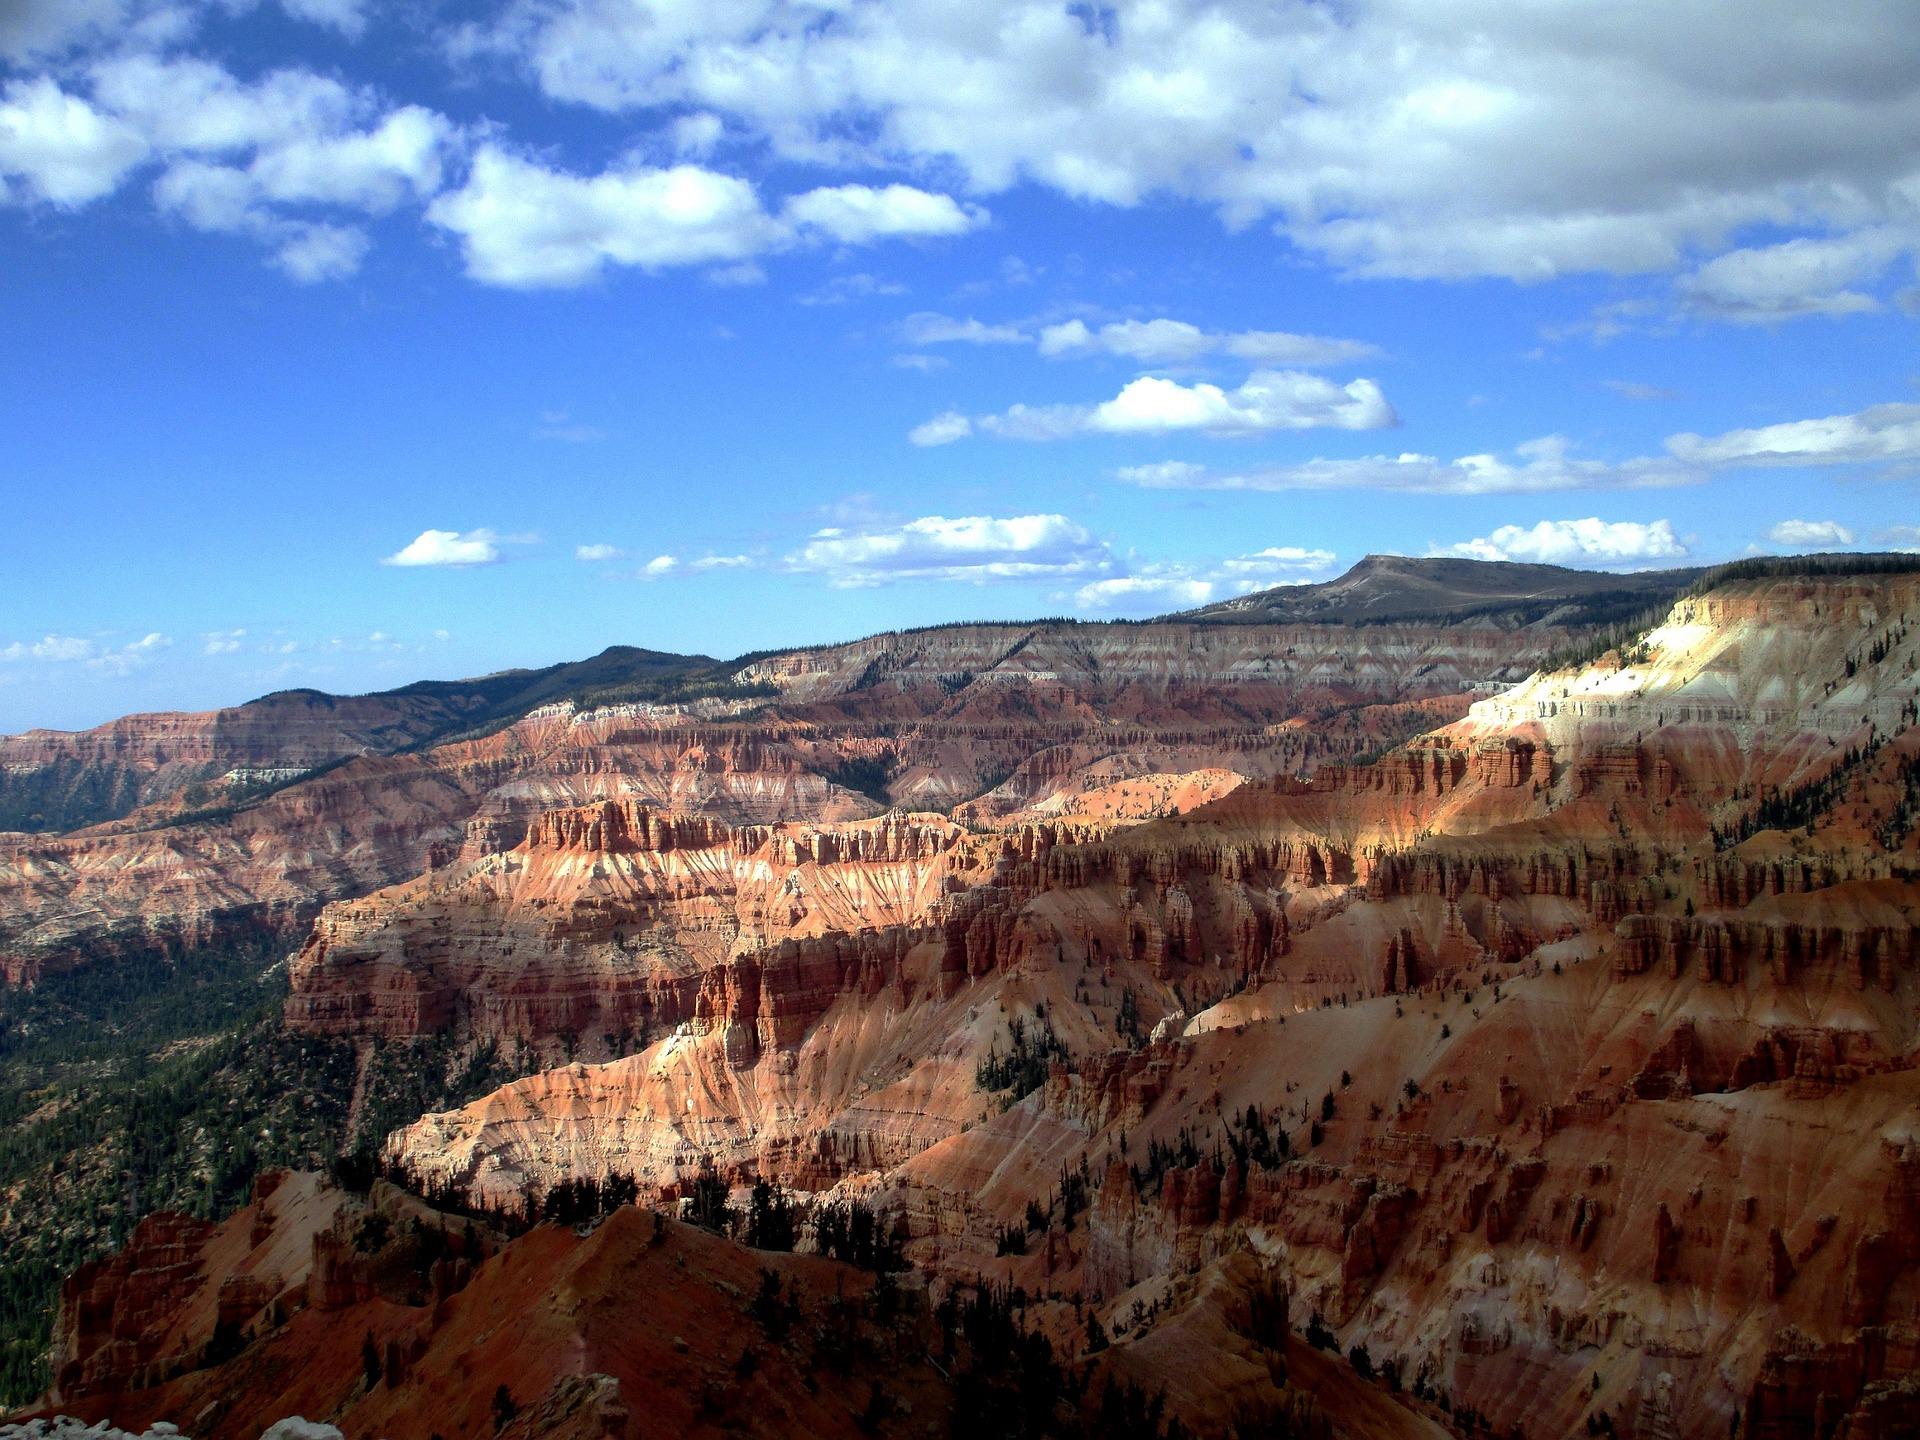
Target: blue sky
{"type": "Point", "coordinates": [354, 343]}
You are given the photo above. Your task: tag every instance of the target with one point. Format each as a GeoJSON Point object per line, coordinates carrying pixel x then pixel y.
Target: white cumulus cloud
{"type": "Point", "coordinates": [66, 151]}
{"type": "Point", "coordinates": [1392, 138]}
{"type": "Point", "coordinates": [521, 224]}
{"type": "Point", "coordinates": [1591, 541]}
{"type": "Point", "coordinates": [259, 157]}
{"type": "Point", "coordinates": [1810, 532]}
{"type": "Point", "coordinates": [967, 547]}
{"type": "Point", "coordinates": [856, 214]}
{"type": "Point", "coordinates": [1386, 138]}
{"type": "Point", "coordinates": [1268, 400]}
{"type": "Point", "coordinates": [447, 547]}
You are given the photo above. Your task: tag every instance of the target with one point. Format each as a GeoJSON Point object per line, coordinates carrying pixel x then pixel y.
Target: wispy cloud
{"type": "Point", "coordinates": [1879, 434]}
{"type": "Point", "coordinates": [1639, 390]}
{"type": "Point", "coordinates": [661, 566]}
{"type": "Point", "coordinates": [1165, 341]}
{"type": "Point", "coordinates": [846, 289]}
{"type": "Point", "coordinates": [1810, 532]}
{"type": "Point", "coordinates": [1538, 465]}
{"type": "Point", "coordinates": [92, 652]}
{"type": "Point", "coordinates": [559, 425]}
{"type": "Point", "coordinates": [1157, 588]}
{"type": "Point", "coordinates": [968, 548]}
{"type": "Point", "coordinates": [1159, 341]}
{"type": "Point", "coordinates": [1886, 434]}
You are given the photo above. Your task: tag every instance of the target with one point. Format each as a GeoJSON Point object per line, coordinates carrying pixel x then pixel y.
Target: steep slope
{"type": "Point", "coordinates": [1383, 588]}
{"type": "Point", "coordinates": [1535, 1061]}
{"type": "Point", "coordinates": [606, 921]}
{"type": "Point", "coordinates": [381, 1316]}
{"type": "Point", "coordinates": [54, 780]}
{"type": "Point", "coordinates": [1007, 718]}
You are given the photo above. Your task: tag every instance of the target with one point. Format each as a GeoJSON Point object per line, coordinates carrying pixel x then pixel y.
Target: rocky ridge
{"type": "Point", "coordinates": [1563, 1058]}
{"type": "Point", "coordinates": [1008, 720]}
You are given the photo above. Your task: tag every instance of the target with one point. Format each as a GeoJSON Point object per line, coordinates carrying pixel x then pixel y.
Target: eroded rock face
{"type": "Point", "coordinates": [613, 920]}
{"type": "Point", "coordinates": [110, 1310]}
{"type": "Point", "coordinates": [53, 780]}
{"type": "Point", "coordinates": [1015, 723]}
{"type": "Point", "coordinates": [1521, 1057]}
{"type": "Point", "coordinates": [152, 1310]}
{"type": "Point", "coordinates": [635, 1324]}
{"type": "Point", "coordinates": [1548, 1061]}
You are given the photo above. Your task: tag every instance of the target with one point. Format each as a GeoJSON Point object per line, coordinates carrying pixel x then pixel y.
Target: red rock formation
{"type": "Point", "coordinates": [1179, 697]}
{"type": "Point", "coordinates": [1666, 1245]}
{"type": "Point", "coordinates": [113, 1311]}
{"type": "Point", "coordinates": [1554, 1081]}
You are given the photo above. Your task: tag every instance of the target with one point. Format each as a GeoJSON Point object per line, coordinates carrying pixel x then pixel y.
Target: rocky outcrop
{"type": "Point", "coordinates": [936, 720]}
{"type": "Point", "coordinates": [180, 1286]}
{"type": "Point", "coordinates": [53, 780]}
{"type": "Point", "coordinates": [1520, 1057]}
{"type": "Point", "coordinates": [112, 1331]}
{"type": "Point", "coordinates": [613, 921]}
{"type": "Point", "coordinates": [1860, 932]}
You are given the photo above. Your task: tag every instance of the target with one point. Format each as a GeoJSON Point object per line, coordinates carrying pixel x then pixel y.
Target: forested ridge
{"type": "Point", "coordinates": [167, 1082]}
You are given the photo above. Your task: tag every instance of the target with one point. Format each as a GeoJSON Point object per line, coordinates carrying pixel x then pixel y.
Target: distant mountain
{"type": "Point", "coordinates": [1401, 588]}
{"type": "Point", "coordinates": [176, 766]}
{"type": "Point", "coordinates": [54, 780]}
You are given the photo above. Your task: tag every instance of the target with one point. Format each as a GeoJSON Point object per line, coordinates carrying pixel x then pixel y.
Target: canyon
{"type": "Point", "coordinates": [1496, 1018]}
{"type": "Point", "coordinates": [1002, 719]}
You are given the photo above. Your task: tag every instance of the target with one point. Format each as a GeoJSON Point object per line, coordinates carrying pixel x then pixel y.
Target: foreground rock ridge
{"type": "Point", "coordinates": [1351, 1017]}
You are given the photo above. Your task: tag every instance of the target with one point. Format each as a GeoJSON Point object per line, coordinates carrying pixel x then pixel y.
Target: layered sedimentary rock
{"type": "Point", "coordinates": [151, 1310]}
{"type": "Point", "coordinates": [1016, 721]}
{"type": "Point", "coordinates": [1524, 1051]}
{"type": "Point", "coordinates": [59, 780]}
{"type": "Point", "coordinates": [1565, 1059]}
{"type": "Point", "coordinates": [610, 920]}
{"type": "Point", "coordinates": [395, 1320]}
{"type": "Point", "coordinates": [372, 822]}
